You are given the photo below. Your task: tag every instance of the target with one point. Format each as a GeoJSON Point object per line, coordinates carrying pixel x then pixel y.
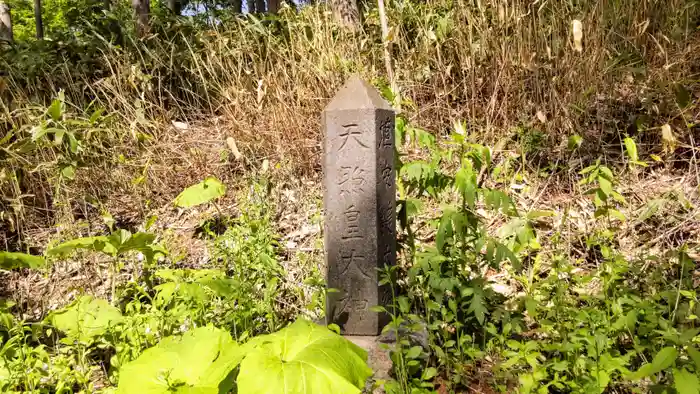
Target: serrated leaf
{"type": "Point", "coordinates": [14, 260]}
{"type": "Point", "coordinates": [478, 307]}
{"type": "Point", "coordinates": [203, 192]}
{"type": "Point", "coordinates": [444, 231]}
{"type": "Point", "coordinates": [303, 358]}
{"type": "Point", "coordinates": [685, 382]}
{"type": "Point", "coordinates": [85, 319]}
{"type": "Point", "coordinates": [200, 361]}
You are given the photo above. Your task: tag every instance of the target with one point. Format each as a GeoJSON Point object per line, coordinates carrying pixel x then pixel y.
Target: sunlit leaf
{"type": "Point", "coordinates": [200, 361]}
{"type": "Point", "coordinates": [685, 382]}
{"type": "Point", "coordinates": [631, 148]}
{"type": "Point", "coordinates": [663, 359]}
{"type": "Point", "coordinates": [13, 260]}
{"type": "Point", "coordinates": [303, 358]}
{"type": "Point", "coordinates": [97, 244]}
{"type": "Point", "coordinates": [86, 318]}
{"type": "Point", "coordinates": [203, 192]}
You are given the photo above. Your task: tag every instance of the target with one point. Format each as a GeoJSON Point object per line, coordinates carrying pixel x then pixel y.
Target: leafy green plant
{"type": "Point", "coordinates": [13, 260]}
{"type": "Point", "coordinates": [302, 358]}
{"type": "Point", "coordinates": [85, 319]}
{"type": "Point", "coordinates": [604, 195]}
{"type": "Point", "coordinates": [199, 361]}
{"type": "Point", "coordinates": [115, 245]}
{"type": "Point", "coordinates": [203, 192]}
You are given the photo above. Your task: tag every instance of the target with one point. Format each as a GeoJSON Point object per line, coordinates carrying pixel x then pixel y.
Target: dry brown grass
{"type": "Point", "coordinates": [494, 64]}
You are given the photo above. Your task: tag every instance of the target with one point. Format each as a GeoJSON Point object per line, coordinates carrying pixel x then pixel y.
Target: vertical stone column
{"type": "Point", "coordinates": [359, 205]}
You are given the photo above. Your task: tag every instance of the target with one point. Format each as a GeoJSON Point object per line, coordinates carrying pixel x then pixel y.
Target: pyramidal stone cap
{"type": "Point", "coordinates": [357, 94]}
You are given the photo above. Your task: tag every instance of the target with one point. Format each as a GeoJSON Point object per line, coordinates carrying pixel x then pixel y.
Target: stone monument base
{"type": "Point", "coordinates": [377, 358]}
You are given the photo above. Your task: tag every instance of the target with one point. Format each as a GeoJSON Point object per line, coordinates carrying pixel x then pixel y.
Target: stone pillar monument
{"type": "Point", "coordinates": [359, 206]}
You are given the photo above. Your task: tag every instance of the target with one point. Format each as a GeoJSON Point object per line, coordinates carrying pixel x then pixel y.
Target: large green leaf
{"type": "Point", "coordinates": [685, 382]}
{"type": "Point", "coordinates": [205, 191]}
{"type": "Point", "coordinates": [303, 358]}
{"type": "Point", "coordinates": [97, 244]}
{"type": "Point", "coordinates": [117, 243]}
{"type": "Point", "coordinates": [663, 359]}
{"type": "Point", "coordinates": [200, 361]}
{"type": "Point", "coordinates": [11, 260]}
{"type": "Point", "coordinates": [85, 319]}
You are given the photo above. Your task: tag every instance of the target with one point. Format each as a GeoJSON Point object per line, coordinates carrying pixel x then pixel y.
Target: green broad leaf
{"type": "Point", "coordinates": [617, 214]}
{"type": "Point", "coordinates": [97, 244]}
{"type": "Point", "coordinates": [663, 359]}
{"type": "Point", "coordinates": [414, 352]}
{"type": "Point", "coordinates": [603, 379]}
{"type": "Point", "coordinates": [685, 382]}
{"type": "Point", "coordinates": [4, 372]}
{"type": "Point", "coordinates": [38, 132]}
{"type": "Point", "coordinates": [13, 260]}
{"type": "Point", "coordinates": [58, 136]}
{"type": "Point", "coordinates": [303, 358]}
{"type": "Point", "coordinates": [606, 173]}
{"type": "Point", "coordinates": [85, 319]}
{"type": "Point", "coordinates": [695, 356]}
{"type": "Point", "coordinates": [73, 143]}
{"type": "Point", "coordinates": [605, 186]}
{"type": "Point", "coordinates": [203, 192]}
{"type": "Point", "coordinates": [631, 148]}
{"type": "Point", "coordinates": [429, 373]}
{"type": "Point", "coordinates": [200, 361]}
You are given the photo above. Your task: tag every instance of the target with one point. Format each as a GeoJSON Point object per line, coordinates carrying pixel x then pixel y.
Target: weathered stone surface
{"type": "Point", "coordinates": [378, 358]}
{"type": "Point", "coordinates": [359, 206]}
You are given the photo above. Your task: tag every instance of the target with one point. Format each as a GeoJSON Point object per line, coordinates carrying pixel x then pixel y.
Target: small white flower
{"type": "Point", "coordinates": [460, 127]}
{"type": "Point", "coordinates": [148, 329]}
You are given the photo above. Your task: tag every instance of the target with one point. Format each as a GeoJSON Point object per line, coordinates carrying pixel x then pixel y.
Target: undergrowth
{"type": "Point", "coordinates": [536, 254]}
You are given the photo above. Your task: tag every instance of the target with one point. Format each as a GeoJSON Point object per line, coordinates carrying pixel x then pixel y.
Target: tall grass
{"type": "Point", "coordinates": [508, 67]}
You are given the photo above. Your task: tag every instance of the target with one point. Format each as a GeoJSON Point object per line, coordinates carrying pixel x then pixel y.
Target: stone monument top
{"type": "Point", "coordinates": [357, 94]}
